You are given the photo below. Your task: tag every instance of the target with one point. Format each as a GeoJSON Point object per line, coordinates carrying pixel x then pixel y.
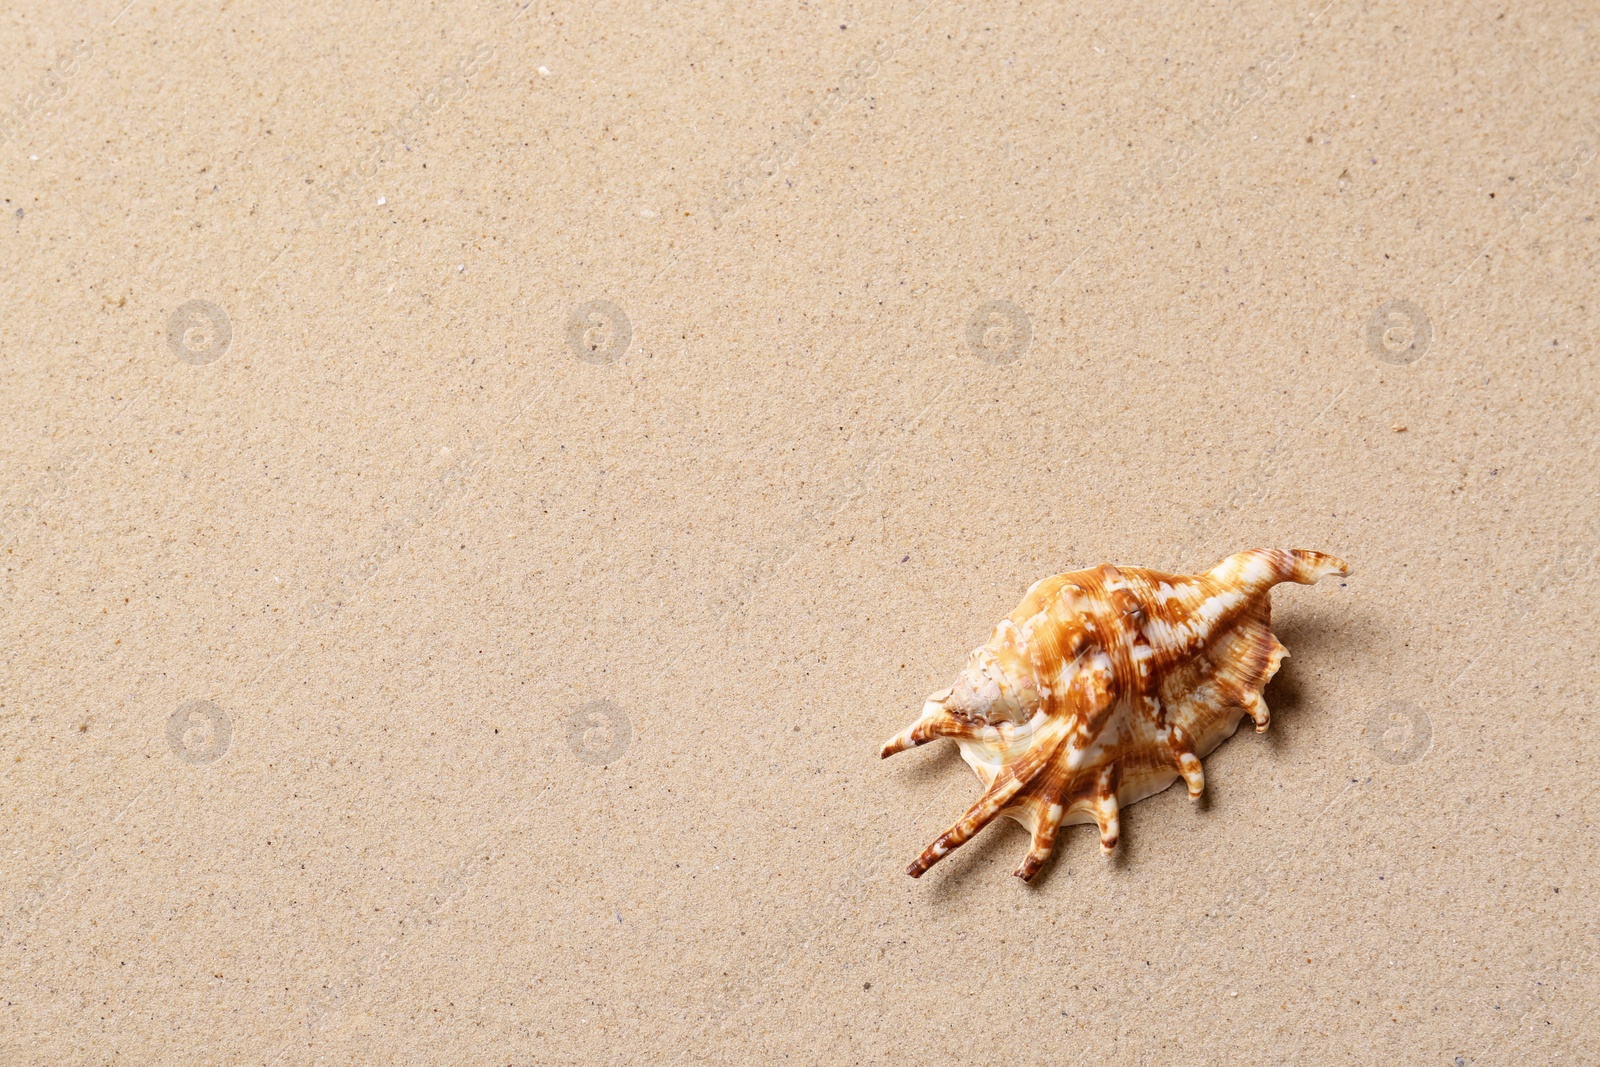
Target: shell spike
{"type": "Point", "coordinates": [966, 828]}
{"type": "Point", "coordinates": [1048, 824]}
{"type": "Point", "coordinates": [1310, 567]}
{"type": "Point", "coordinates": [1257, 569]}
{"type": "Point", "coordinates": [935, 723]}
{"type": "Point", "coordinates": [1258, 712]}
{"type": "Point", "coordinates": [1194, 773]}
{"type": "Point", "coordinates": [1105, 810]}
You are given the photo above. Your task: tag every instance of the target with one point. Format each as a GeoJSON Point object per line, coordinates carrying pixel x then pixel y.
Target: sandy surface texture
{"type": "Point", "coordinates": [479, 482]}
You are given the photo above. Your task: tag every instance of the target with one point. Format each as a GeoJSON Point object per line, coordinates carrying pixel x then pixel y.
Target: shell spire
{"type": "Point", "coordinates": [1105, 686]}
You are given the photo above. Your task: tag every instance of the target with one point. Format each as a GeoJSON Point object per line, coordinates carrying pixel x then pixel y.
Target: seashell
{"type": "Point", "coordinates": [1104, 687]}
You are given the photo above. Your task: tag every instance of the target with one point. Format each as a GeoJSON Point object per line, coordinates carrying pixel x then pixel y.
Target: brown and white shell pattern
{"type": "Point", "coordinates": [1105, 686]}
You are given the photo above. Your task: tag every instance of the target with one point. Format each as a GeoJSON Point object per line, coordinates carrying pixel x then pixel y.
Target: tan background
{"type": "Point", "coordinates": [414, 551]}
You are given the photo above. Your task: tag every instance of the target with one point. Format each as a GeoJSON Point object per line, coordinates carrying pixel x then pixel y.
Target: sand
{"type": "Point", "coordinates": [480, 483]}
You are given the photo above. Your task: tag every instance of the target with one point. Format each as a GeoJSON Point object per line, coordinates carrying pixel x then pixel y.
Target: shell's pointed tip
{"type": "Point", "coordinates": [1031, 865]}
{"type": "Point", "coordinates": [916, 870]}
{"type": "Point", "coordinates": [1310, 567]}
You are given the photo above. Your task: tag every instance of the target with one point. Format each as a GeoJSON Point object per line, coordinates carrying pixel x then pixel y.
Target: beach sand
{"type": "Point", "coordinates": [480, 484]}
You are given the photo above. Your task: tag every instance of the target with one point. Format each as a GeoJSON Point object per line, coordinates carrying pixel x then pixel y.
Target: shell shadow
{"type": "Point", "coordinates": [1308, 639]}
{"type": "Point", "coordinates": [934, 768]}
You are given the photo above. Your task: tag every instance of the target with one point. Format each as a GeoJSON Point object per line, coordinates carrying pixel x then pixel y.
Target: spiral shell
{"type": "Point", "coordinates": [1105, 686]}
